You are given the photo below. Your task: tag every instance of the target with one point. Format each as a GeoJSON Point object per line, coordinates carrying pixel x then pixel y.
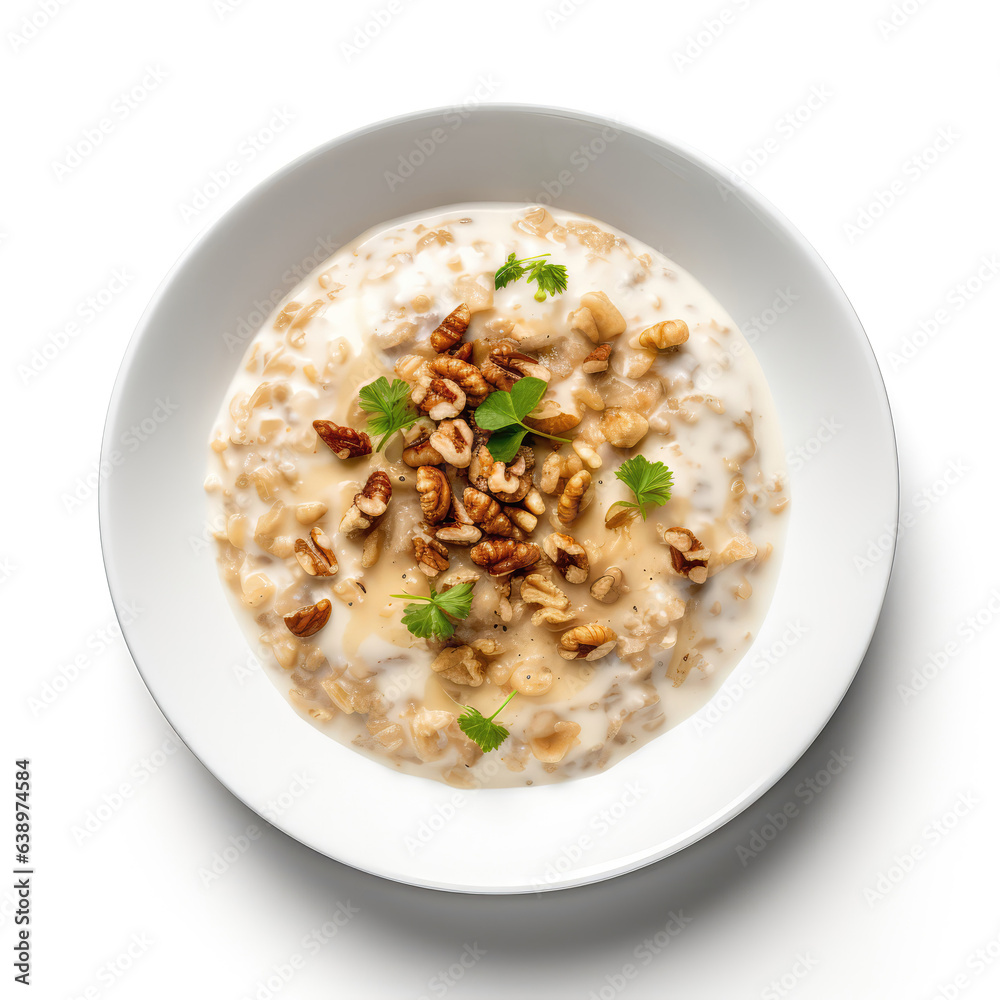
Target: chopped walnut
{"type": "Point", "coordinates": [506, 365]}
{"type": "Point", "coordinates": [466, 376]}
{"type": "Point", "coordinates": [575, 497]}
{"type": "Point", "coordinates": [538, 589]}
{"type": "Point", "coordinates": [623, 428]}
{"type": "Point", "coordinates": [597, 360]}
{"type": "Point", "coordinates": [439, 398]}
{"type": "Point", "coordinates": [431, 556]}
{"type": "Point", "coordinates": [587, 642]}
{"type": "Point", "coordinates": [568, 556]}
{"type": "Point", "coordinates": [453, 441]}
{"type": "Point", "coordinates": [418, 450]}
{"type": "Point", "coordinates": [500, 556]}
{"type": "Point", "coordinates": [461, 665]}
{"type": "Point", "coordinates": [688, 557]}
{"type": "Point", "coordinates": [558, 467]}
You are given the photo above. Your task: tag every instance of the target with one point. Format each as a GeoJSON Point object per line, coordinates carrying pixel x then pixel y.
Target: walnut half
{"type": "Point", "coordinates": [500, 556]}
{"type": "Point", "coordinates": [587, 642]}
{"type": "Point", "coordinates": [568, 555]}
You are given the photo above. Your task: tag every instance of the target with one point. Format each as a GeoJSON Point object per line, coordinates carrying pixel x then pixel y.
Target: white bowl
{"type": "Point", "coordinates": [189, 648]}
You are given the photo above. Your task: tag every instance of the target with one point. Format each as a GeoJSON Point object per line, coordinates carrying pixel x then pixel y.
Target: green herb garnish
{"type": "Point", "coordinates": [391, 404]}
{"type": "Point", "coordinates": [649, 481]}
{"type": "Point", "coordinates": [550, 278]}
{"type": "Point", "coordinates": [482, 731]}
{"type": "Point", "coordinates": [431, 619]}
{"type": "Point", "coordinates": [503, 413]}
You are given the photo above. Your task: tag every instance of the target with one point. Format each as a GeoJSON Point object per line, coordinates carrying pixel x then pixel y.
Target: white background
{"type": "Point", "coordinates": [882, 885]}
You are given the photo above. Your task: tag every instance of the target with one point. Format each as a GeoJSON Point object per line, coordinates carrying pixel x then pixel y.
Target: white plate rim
{"type": "Point", "coordinates": [747, 193]}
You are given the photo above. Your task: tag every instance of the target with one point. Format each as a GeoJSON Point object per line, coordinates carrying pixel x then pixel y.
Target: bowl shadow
{"type": "Point", "coordinates": [561, 923]}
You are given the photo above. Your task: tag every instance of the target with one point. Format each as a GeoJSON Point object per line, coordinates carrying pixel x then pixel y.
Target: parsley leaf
{"type": "Point", "coordinates": [391, 404]}
{"type": "Point", "coordinates": [649, 481]}
{"type": "Point", "coordinates": [482, 731]}
{"type": "Point", "coordinates": [503, 444]}
{"type": "Point", "coordinates": [431, 620]}
{"type": "Point", "coordinates": [550, 278]}
{"type": "Point", "coordinates": [504, 412]}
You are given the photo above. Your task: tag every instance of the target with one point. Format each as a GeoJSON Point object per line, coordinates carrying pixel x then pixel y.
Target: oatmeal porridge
{"type": "Point", "coordinates": [500, 495]}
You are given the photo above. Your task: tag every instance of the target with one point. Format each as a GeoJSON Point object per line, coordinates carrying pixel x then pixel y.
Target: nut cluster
{"type": "Point", "coordinates": [468, 498]}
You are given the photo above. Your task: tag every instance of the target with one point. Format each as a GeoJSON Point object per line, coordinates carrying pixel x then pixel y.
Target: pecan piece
{"type": "Point", "coordinates": [506, 365]}
{"type": "Point", "coordinates": [597, 360]}
{"type": "Point", "coordinates": [344, 442]}
{"type": "Point", "coordinates": [431, 556]}
{"type": "Point", "coordinates": [587, 642]}
{"type": "Point", "coordinates": [453, 442]}
{"type": "Point", "coordinates": [466, 376]}
{"type": "Point", "coordinates": [435, 494]}
{"type": "Point", "coordinates": [500, 556]}
{"type": "Point", "coordinates": [575, 497]}
{"type": "Point", "coordinates": [375, 496]}
{"type": "Point", "coordinates": [369, 505]}
{"type": "Point", "coordinates": [461, 351]}
{"type": "Point", "coordinates": [508, 482]}
{"type": "Point", "coordinates": [439, 398]}
{"type": "Point", "coordinates": [688, 557]}
{"type": "Point", "coordinates": [488, 514]}
{"type": "Point", "coordinates": [316, 556]}
{"type": "Point", "coordinates": [568, 556]}
{"type": "Point", "coordinates": [417, 449]}
{"type": "Point", "coordinates": [308, 620]}
{"type": "Point", "coordinates": [452, 329]}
